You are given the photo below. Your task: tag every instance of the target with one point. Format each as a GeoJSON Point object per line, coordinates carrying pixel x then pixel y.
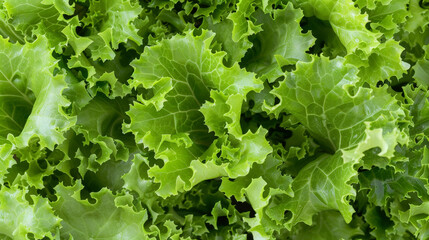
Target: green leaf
{"type": "Point", "coordinates": [385, 184]}
{"type": "Point", "coordinates": [99, 151]}
{"type": "Point", "coordinates": [7, 30]}
{"type": "Point", "coordinates": [79, 44]}
{"type": "Point", "coordinates": [214, 119]}
{"type": "Point", "coordinates": [103, 117]}
{"type": "Point", "coordinates": [263, 182]}
{"type": "Point", "coordinates": [419, 109]}
{"type": "Point", "coordinates": [324, 97]}
{"type": "Point", "coordinates": [137, 180]}
{"type": "Point", "coordinates": [235, 50]}
{"type": "Point", "coordinates": [111, 23]}
{"type": "Point", "coordinates": [418, 17]}
{"type": "Point", "coordinates": [109, 217]}
{"type": "Point", "coordinates": [384, 62]}
{"type": "Point", "coordinates": [381, 224]}
{"type": "Point", "coordinates": [417, 218]}
{"type": "Point", "coordinates": [275, 181]}
{"type": "Point", "coordinates": [19, 217]}
{"type": "Point", "coordinates": [323, 184]}
{"type": "Point", "coordinates": [38, 18]}
{"type": "Point", "coordinates": [388, 15]}
{"type": "Point", "coordinates": [327, 40]}
{"type": "Point", "coordinates": [346, 20]}
{"type": "Point", "coordinates": [31, 97]}
{"type": "Point", "coordinates": [170, 122]}
{"type": "Point", "coordinates": [280, 42]}
{"type": "Point", "coordinates": [243, 26]}
{"type": "Point", "coordinates": [371, 4]}
{"type": "Point", "coordinates": [108, 84]}
{"type": "Point", "coordinates": [421, 72]}
{"type": "Point", "coordinates": [328, 225]}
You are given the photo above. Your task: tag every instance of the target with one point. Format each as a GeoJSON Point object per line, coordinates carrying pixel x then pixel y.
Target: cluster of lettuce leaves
{"type": "Point", "coordinates": [214, 119]}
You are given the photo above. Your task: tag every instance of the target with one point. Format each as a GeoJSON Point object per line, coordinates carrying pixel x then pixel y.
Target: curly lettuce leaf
{"type": "Point", "coordinates": [323, 184]}
{"type": "Point", "coordinates": [103, 117]}
{"type": "Point", "coordinates": [416, 218]}
{"type": "Point", "coordinates": [418, 105]}
{"type": "Point", "coordinates": [418, 17]}
{"type": "Point", "coordinates": [19, 217]}
{"type": "Point", "coordinates": [384, 63]}
{"type": "Point", "coordinates": [34, 18]}
{"type": "Point", "coordinates": [103, 27]}
{"type": "Point", "coordinates": [385, 184]}
{"type": "Point", "coordinates": [263, 178]}
{"type": "Point", "coordinates": [7, 30]}
{"type": "Point", "coordinates": [381, 225]}
{"type": "Point", "coordinates": [243, 26]}
{"type": "Point", "coordinates": [275, 181]}
{"type": "Point", "coordinates": [421, 73]}
{"type": "Point", "coordinates": [169, 122]}
{"type": "Point", "coordinates": [346, 20]}
{"type": "Point", "coordinates": [31, 97]}
{"type": "Point", "coordinates": [328, 225]}
{"type": "Point", "coordinates": [113, 21]}
{"type": "Point", "coordinates": [235, 50]}
{"type": "Point", "coordinates": [387, 16]}
{"type": "Point", "coordinates": [214, 119]}
{"type": "Point", "coordinates": [109, 217]}
{"type": "Point", "coordinates": [280, 42]}
{"type": "Point", "coordinates": [323, 96]}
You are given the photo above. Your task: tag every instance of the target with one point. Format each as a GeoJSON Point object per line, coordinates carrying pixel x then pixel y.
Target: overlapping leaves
{"type": "Point", "coordinates": [217, 119]}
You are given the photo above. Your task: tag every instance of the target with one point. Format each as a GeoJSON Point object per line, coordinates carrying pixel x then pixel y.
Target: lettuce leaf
{"type": "Point", "coordinates": [214, 119]}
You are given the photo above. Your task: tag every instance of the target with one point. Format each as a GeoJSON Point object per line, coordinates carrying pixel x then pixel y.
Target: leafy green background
{"type": "Point", "coordinates": [214, 119]}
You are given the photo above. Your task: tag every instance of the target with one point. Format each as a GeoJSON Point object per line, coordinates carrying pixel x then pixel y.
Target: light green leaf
{"type": "Point", "coordinates": [99, 151]}
{"type": "Point", "coordinates": [323, 184]}
{"type": "Point", "coordinates": [275, 181]}
{"type": "Point", "coordinates": [39, 18]}
{"type": "Point", "coordinates": [7, 30]}
{"type": "Point", "coordinates": [324, 97]}
{"type": "Point", "coordinates": [108, 84]}
{"type": "Point", "coordinates": [109, 217]}
{"type": "Point", "coordinates": [388, 15]}
{"type": "Point", "coordinates": [111, 23]}
{"type": "Point", "coordinates": [170, 122]}
{"type": "Point", "coordinates": [421, 72]}
{"type": "Point", "coordinates": [346, 20]}
{"type": "Point", "coordinates": [384, 62]}
{"type": "Point", "coordinates": [419, 109]}
{"type": "Point", "coordinates": [417, 218]}
{"type": "Point", "coordinates": [243, 26]}
{"type": "Point", "coordinates": [62, 6]}
{"type": "Point", "coordinates": [78, 43]}
{"type": "Point", "coordinates": [31, 97]}
{"type": "Point", "coordinates": [19, 217]}
{"type": "Point", "coordinates": [263, 182]}
{"type": "Point", "coordinates": [371, 4]}
{"type": "Point", "coordinates": [138, 180]}
{"type": "Point", "coordinates": [418, 17]}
